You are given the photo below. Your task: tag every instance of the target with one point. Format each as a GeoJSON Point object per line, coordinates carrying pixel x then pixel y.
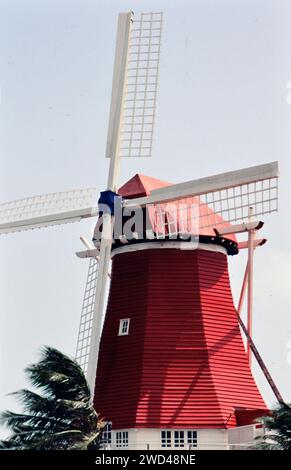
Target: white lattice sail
{"type": "Point", "coordinates": [233, 203]}
{"type": "Point", "coordinates": [48, 209]}
{"type": "Point", "coordinates": [85, 328]}
{"type": "Point", "coordinates": [140, 87]}
{"type": "Point", "coordinates": [209, 202]}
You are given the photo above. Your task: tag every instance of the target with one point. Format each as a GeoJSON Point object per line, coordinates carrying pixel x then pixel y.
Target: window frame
{"type": "Point", "coordinates": [121, 330]}
{"type": "Point", "coordinates": [166, 438]}
{"type": "Point", "coordinates": [192, 437]}
{"type": "Point", "coordinates": [179, 437]}
{"type": "Point", "coordinates": [121, 439]}
{"type": "Point", "coordinates": [106, 438]}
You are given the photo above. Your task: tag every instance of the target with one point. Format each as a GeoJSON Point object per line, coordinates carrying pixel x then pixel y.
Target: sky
{"type": "Point", "coordinates": [223, 104]}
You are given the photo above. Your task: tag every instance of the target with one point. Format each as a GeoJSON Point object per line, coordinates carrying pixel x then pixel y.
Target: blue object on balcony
{"type": "Point", "coordinates": [108, 202]}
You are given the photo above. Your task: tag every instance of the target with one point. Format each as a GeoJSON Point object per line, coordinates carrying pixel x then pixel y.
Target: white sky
{"type": "Point", "coordinates": [222, 106]}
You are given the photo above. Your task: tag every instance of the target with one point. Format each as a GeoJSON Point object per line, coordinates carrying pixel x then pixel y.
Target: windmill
{"type": "Point", "coordinates": [170, 363]}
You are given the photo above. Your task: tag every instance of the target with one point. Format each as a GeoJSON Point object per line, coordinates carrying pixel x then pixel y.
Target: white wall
{"type": "Point", "coordinates": [244, 436]}
{"type": "Point", "coordinates": [143, 439]}
{"type": "Point", "coordinates": [208, 439]}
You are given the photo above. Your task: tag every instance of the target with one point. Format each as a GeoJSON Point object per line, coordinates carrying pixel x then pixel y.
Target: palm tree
{"type": "Point", "coordinates": [61, 416]}
{"type": "Point", "coordinates": [278, 427]}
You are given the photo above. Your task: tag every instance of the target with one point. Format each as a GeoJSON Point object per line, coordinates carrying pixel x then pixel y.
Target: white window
{"type": "Point", "coordinates": [122, 439]}
{"type": "Point", "coordinates": [192, 438]}
{"type": "Point", "coordinates": [166, 438]}
{"type": "Point", "coordinates": [179, 439]}
{"type": "Point", "coordinates": [123, 326]}
{"type": "Point", "coordinates": [106, 439]}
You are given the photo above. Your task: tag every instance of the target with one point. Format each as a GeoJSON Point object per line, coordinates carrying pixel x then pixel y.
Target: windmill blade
{"type": "Point", "coordinates": [228, 195]}
{"type": "Point", "coordinates": [92, 302]}
{"type": "Point", "coordinates": [48, 209]}
{"type": "Point", "coordinates": [210, 184]}
{"type": "Point", "coordinates": [139, 96]}
{"type": "Point", "coordinates": [85, 328]}
{"type": "Point", "coordinates": [99, 299]}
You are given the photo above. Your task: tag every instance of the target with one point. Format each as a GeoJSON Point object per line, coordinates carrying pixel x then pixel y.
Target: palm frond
{"type": "Point", "coordinates": [61, 416]}
{"type": "Point", "coordinates": [58, 376]}
{"type": "Point", "coordinates": [278, 429]}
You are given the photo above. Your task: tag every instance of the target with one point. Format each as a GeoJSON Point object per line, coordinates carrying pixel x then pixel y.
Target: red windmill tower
{"type": "Point", "coordinates": [170, 368]}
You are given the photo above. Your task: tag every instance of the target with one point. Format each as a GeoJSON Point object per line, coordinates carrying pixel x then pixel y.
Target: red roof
{"type": "Point", "coordinates": [141, 185]}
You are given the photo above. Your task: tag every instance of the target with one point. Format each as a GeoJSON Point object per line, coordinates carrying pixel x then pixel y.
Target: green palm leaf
{"type": "Point", "coordinates": [61, 416]}
{"type": "Point", "coordinates": [278, 429]}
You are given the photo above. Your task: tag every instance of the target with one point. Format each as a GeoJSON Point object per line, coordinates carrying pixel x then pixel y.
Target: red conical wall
{"type": "Point", "coordinates": [183, 363]}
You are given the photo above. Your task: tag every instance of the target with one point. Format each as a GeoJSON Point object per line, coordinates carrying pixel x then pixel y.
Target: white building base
{"type": "Point", "coordinates": [207, 439]}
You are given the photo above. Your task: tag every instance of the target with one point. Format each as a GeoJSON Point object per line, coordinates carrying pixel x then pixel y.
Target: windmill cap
{"type": "Point", "coordinates": [141, 185]}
